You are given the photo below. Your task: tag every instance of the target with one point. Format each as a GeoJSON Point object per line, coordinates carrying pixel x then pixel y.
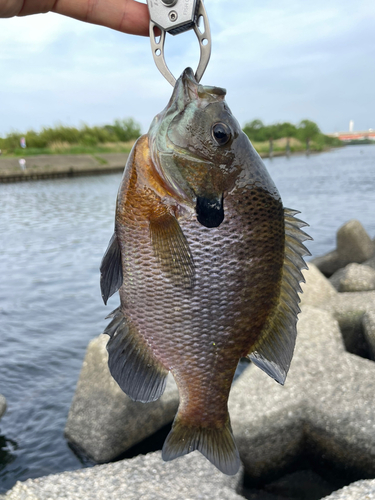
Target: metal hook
{"type": "Point", "coordinates": [204, 39]}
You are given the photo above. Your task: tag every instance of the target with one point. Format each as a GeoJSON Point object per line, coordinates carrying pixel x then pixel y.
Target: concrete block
{"type": "Point", "coordinates": [317, 289]}
{"type": "Point", "coordinates": [327, 400]}
{"type": "Point", "coordinates": [328, 263]}
{"type": "Point", "coordinates": [353, 242]}
{"type": "Point", "coordinates": [145, 477]}
{"type": "Point", "coordinates": [354, 278]}
{"type": "Point", "coordinates": [104, 422]}
{"type": "Point", "coordinates": [353, 245]}
{"type": "Point", "coordinates": [368, 323]}
{"type": "Point", "coordinates": [360, 490]}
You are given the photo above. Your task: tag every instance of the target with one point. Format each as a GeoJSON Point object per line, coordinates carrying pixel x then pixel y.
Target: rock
{"type": "Point", "coordinates": [301, 484]}
{"type": "Point", "coordinates": [354, 278]}
{"type": "Point", "coordinates": [353, 245]}
{"type": "Point", "coordinates": [324, 408]}
{"type": "Point", "coordinates": [349, 310]}
{"type": "Point", "coordinates": [145, 477]}
{"type": "Point", "coordinates": [3, 405]}
{"type": "Point", "coordinates": [335, 278]}
{"type": "Point", "coordinates": [360, 490]}
{"type": "Point", "coordinates": [353, 242]}
{"type": "Point", "coordinates": [370, 262]}
{"type": "Point", "coordinates": [103, 422]}
{"type": "Point", "coordinates": [317, 289]}
{"type": "Point", "coordinates": [368, 323]}
{"type": "Point", "coordinates": [328, 263]}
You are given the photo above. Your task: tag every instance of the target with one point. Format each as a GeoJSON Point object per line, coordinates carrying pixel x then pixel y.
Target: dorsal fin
{"type": "Point", "coordinates": [172, 250]}
{"type": "Point", "coordinates": [131, 362]}
{"type": "Point", "coordinates": [111, 269]}
{"type": "Point", "coordinates": [274, 351]}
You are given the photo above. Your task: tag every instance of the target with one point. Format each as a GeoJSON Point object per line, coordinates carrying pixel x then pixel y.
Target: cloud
{"type": "Point", "coordinates": [284, 60]}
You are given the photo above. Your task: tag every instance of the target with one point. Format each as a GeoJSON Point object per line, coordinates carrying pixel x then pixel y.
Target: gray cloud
{"type": "Point", "coordinates": [279, 61]}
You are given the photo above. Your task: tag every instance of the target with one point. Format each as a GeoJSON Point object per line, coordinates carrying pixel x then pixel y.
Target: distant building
{"type": "Point", "coordinates": [355, 136]}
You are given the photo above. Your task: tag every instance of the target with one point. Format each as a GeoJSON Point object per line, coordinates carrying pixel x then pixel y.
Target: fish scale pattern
{"type": "Point", "coordinates": [200, 332]}
{"type": "Point", "coordinates": [204, 248]}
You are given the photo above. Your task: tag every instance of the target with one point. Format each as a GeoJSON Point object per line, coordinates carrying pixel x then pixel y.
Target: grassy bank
{"type": "Point", "coordinates": [64, 148]}
{"type": "Point", "coordinates": [305, 135]}
{"type": "Point", "coordinates": [115, 138]}
{"type": "Point", "coordinates": [61, 148]}
{"type": "Point", "coordinates": [119, 137]}
{"type": "Point", "coordinates": [279, 146]}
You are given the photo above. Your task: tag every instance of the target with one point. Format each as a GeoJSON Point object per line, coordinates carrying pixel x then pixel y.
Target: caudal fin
{"type": "Point", "coordinates": [216, 444]}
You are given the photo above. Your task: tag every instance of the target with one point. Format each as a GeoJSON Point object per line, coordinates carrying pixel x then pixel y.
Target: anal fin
{"type": "Point", "coordinates": [111, 270]}
{"type": "Point", "coordinates": [215, 443]}
{"type": "Point", "coordinates": [131, 362]}
{"type": "Point", "coordinates": [172, 250]}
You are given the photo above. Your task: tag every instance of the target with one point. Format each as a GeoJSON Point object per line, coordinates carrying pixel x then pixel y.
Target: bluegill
{"type": "Point", "coordinates": [207, 262]}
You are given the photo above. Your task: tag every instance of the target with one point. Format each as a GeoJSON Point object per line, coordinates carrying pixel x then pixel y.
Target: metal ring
{"type": "Point", "coordinates": [204, 40]}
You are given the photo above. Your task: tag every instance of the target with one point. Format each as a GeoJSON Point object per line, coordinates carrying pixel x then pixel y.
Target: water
{"type": "Point", "coordinates": [328, 189]}
{"type": "Point", "coordinates": [53, 235]}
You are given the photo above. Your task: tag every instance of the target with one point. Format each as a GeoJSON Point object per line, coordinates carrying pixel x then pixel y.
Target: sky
{"type": "Point", "coordinates": [284, 60]}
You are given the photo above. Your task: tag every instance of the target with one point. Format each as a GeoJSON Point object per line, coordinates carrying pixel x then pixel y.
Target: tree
{"type": "Point", "coordinates": [255, 130]}
{"type": "Point", "coordinates": [287, 130]}
{"type": "Point", "coordinates": [308, 130]}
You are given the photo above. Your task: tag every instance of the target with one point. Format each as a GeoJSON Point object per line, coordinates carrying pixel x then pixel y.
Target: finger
{"type": "Point", "coordinates": [28, 7]}
{"type": "Point", "coordinates": [127, 16]}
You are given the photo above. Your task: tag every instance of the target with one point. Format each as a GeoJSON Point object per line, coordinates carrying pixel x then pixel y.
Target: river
{"type": "Point", "coordinates": [53, 235]}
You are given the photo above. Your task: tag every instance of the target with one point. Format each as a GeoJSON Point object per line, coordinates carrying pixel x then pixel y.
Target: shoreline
{"type": "Point", "coordinates": [60, 166]}
{"type": "Point", "coordinates": [41, 167]}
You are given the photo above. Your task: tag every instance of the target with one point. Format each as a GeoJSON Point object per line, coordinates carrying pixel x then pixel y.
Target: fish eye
{"type": "Point", "coordinates": [221, 133]}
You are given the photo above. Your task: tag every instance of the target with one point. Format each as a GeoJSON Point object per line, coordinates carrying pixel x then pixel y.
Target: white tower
{"type": "Point", "coordinates": [351, 126]}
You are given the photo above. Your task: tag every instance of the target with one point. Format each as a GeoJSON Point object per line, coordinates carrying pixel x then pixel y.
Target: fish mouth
{"type": "Point", "coordinates": [210, 212]}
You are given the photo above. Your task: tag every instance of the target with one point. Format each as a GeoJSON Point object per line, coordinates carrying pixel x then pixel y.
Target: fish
{"type": "Point", "coordinates": [207, 262]}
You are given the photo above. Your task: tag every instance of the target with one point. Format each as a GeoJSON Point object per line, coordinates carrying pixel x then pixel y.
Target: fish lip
{"type": "Point", "coordinates": [210, 211]}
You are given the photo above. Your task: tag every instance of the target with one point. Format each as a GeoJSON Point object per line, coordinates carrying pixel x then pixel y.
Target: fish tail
{"type": "Point", "coordinates": [216, 444]}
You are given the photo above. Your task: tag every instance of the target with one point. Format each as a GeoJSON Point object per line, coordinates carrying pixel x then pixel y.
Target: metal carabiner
{"type": "Point", "coordinates": [175, 17]}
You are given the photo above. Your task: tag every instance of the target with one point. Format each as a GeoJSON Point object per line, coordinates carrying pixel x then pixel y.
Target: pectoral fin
{"type": "Point", "coordinates": [274, 351]}
{"type": "Point", "coordinates": [131, 362]}
{"type": "Point", "coordinates": [111, 269]}
{"type": "Point", "coordinates": [172, 250]}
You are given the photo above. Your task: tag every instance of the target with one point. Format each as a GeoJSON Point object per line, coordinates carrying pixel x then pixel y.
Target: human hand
{"type": "Point", "coordinates": [127, 16]}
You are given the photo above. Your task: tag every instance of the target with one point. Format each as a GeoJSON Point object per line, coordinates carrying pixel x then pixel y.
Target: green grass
{"type": "Point", "coordinates": [296, 146]}
{"type": "Point", "coordinates": [70, 140]}
{"type": "Point", "coordinates": [73, 149]}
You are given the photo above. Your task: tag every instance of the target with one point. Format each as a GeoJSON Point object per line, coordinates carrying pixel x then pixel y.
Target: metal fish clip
{"type": "Point", "coordinates": [175, 17]}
